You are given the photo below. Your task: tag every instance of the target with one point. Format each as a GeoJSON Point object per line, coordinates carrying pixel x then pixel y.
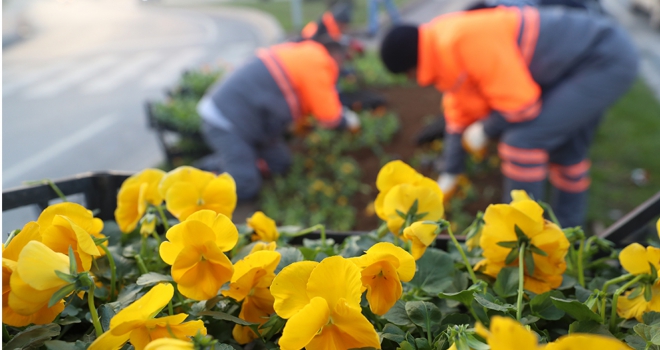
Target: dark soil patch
{"type": "Point", "coordinates": [415, 106]}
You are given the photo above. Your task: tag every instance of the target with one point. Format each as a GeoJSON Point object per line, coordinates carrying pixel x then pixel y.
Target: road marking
{"type": "Point", "coordinates": [128, 69]}
{"type": "Point", "coordinates": [32, 76]}
{"type": "Point", "coordinates": [170, 70]}
{"type": "Point", "coordinates": [71, 78]}
{"type": "Point", "coordinates": [59, 147]}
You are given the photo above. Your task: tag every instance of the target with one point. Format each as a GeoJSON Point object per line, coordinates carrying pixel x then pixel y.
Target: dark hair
{"type": "Point", "coordinates": [399, 49]}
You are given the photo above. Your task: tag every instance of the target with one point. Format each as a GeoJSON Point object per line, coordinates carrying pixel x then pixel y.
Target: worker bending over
{"type": "Point", "coordinates": [540, 79]}
{"type": "Point", "coordinates": [333, 23]}
{"type": "Point", "coordinates": [245, 116]}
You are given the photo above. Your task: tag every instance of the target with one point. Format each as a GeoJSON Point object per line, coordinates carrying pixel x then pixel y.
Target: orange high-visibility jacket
{"type": "Point", "coordinates": [479, 60]}
{"type": "Point", "coordinates": [307, 76]}
{"type": "Point", "coordinates": [328, 22]}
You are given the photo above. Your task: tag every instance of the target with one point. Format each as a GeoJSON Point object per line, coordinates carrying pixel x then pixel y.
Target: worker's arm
{"type": "Point", "coordinates": [498, 69]}
{"type": "Point", "coordinates": [322, 97]}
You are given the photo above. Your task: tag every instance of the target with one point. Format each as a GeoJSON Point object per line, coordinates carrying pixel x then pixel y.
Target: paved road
{"type": "Point", "coordinates": [73, 94]}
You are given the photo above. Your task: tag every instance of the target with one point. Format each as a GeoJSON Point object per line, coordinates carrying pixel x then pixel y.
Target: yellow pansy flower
{"type": "Point", "coordinates": [506, 334]}
{"type": "Point", "coordinates": [259, 246]}
{"type": "Point", "coordinates": [384, 266]}
{"type": "Point", "coordinates": [578, 341]}
{"type": "Point", "coordinates": [65, 225]}
{"type": "Point", "coordinates": [10, 254]}
{"type": "Point", "coordinates": [500, 221]}
{"type": "Point", "coordinates": [402, 197]}
{"type": "Point", "coordinates": [138, 324]}
{"type": "Point", "coordinates": [33, 280]}
{"type": "Point", "coordinates": [322, 304]}
{"type": "Point", "coordinates": [422, 235]}
{"type": "Point", "coordinates": [250, 282]}
{"type": "Point", "coordinates": [169, 344]}
{"type": "Point", "coordinates": [637, 260]}
{"type": "Point", "coordinates": [391, 174]}
{"type": "Point", "coordinates": [195, 251]}
{"type": "Point", "coordinates": [638, 306]}
{"type": "Point", "coordinates": [187, 190]}
{"type": "Point", "coordinates": [264, 227]}
{"type": "Point", "coordinates": [135, 194]}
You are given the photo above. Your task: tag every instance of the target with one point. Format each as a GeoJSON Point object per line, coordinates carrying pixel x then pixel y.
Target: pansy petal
{"type": "Point", "coordinates": [289, 288]}
{"type": "Point", "coordinates": [587, 341]}
{"type": "Point", "coordinates": [394, 173]}
{"type": "Point", "coordinates": [169, 344]}
{"type": "Point", "coordinates": [220, 195]}
{"type": "Point", "coordinates": [304, 325]}
{"type": "Point", "coordinates": [147, 306]}
{"type": "Point", "coordinates": [406, 266]}
{"type": "Point", "coordinates": [185, 174]}
{"type": "Point", "coordinates": [506, 334]}
{"type": "Point", "coordinates": [109, 341]}
{"type": "Point", "coordinates": [30, 232]}
{"type": "Point", "coordinates": [225, 231]}
{"type": "Point", "coordinates": [336, 278]}
{"type": "Point", "coordinates": [182, 199]}
{"type": "Point", "coordinates": [37, 265]}
{"type": "Point", "coordinates": [633, 259]}
{"type": "Point", "coordinates": [352, 329]}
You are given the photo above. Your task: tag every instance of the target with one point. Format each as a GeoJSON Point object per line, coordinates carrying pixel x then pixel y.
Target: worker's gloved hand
{"type": "Point", "coordinates": [448, 184]}
{"type": "Point", "coordinates": [352, 120]}
{"type": "Point", "coordinates": [475, 140]}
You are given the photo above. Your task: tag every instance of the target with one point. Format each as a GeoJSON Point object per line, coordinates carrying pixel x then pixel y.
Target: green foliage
{"type": "Point", "coordinates": [371, 72]}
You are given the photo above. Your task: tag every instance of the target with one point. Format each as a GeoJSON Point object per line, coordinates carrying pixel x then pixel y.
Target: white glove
{"type": "Point", "coordinates": [475, 139]}
{"type": "Point", "coordinates": [352, 120]}
{"type": "Point", "coordinates": [448, 183]}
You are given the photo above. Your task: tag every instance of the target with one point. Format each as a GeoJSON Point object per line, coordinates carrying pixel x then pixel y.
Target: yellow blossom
{"type": "Point", "coordinates": [577, 341]}
{"type": "Point", "coordinates": [187, 190]}
{"type": "Point", "coordinates": [138, 324]}
{"type": "Point", "coordinates": [250, 283]}
{"type": "Point", "coordinates": [473, 242]}
{"type": "Point", "coordinates": [65, 225]}
{"type": "Point", "coordinates": [259, 246]}
{"type": "Point", "coordinates": [33, 280]}
{"type": "Point", "coordinates": [400, 187]}
{"type": "Point", "coordinates": [264, 227]}
{"type": "Point", "coordinates": [500, 221]}
{"type": "Point", "coordinates": [135, 195]}
{"type": "Point", "coordinates": [384, 266]}
{"type": "Point", "coordinates": [169, 344]}
{"type": "Point", "coordinates": [422, 235]}
{"type": "Point", "coordinates": [148, 225]}
{"type": "Point", "coordinates": [195, 251]}
{"type": "Point", "coordinates": [347, 168]}
{"type": "Point", "coordinates": [322, 304]}
{"type": "Point", "coordinates": [506, 334]}
{"type": "Point", "coordinates": [637, 260]}
{"type": "Point", "coordinates": [636, 307]}
{"type": "Point", "coordinates": [10, 254]}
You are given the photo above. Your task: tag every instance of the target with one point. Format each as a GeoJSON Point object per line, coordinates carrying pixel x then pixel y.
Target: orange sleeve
{"type": "Point", "coordinates": [499, 70]}
{"type": "Point", "coordinates": [309, 30]}
{"type": "Point", "coordinates": [463, 106]}
{"type": "Point", "coordinates": [321, 95]}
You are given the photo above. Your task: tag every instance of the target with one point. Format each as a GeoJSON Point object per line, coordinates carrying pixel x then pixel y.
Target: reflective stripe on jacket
{"type": "Point", "coordinates": [306, 74]}
{"type": "Point", "coordinates": [480, 60]}
{"type": "Point", "coordinates": [326, 25]}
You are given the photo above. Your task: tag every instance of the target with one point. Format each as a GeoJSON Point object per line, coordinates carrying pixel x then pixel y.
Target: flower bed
{"type": "Point", "coordinates": [193, 279]}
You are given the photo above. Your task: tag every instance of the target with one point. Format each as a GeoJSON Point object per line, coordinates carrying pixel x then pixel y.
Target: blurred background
{"type": "Point", "coordinates": [77, 75]}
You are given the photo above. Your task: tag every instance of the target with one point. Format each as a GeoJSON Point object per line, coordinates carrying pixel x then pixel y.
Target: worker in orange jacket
{"type": "Point", "coordinates": [333, 23]}
{"type": "Point", "coordinates": [245, 115]}
{"type": "Point", "coordinates": [540, 79]}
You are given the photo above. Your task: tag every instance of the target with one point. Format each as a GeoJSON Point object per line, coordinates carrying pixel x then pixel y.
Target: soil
{"type": "Point", "coordinates": [416, 107]}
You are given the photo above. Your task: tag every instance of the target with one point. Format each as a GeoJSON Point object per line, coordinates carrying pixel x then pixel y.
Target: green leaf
{"type": "Point", "coordinates": [106, 313]}
{"type": "Point", "coordinates": [423, 314]}
{"type": "Point", "coordinates": [273, 326]}
{"type": "Point", "coordinates": [455, 320]}
{"type": "Point", "coordinates": [511, 257]}
{"type": "Point", "coordinates": [636, 342]}
{"type": "Point", "coordinates": [73, 267]}
{"type": "Point", "coordinates": [68, 320]}
{"type": "Point", "coordinates": [289, 255]}
{"type": "Point", "coordinates": [152, 278]}
{"type": "Point", "coordinates": [33, 336]}
{"type": "Point", "coordinates": [393, 333]}
{"type": "Point", "coordinates": [648, 293]}
{"type": "Point", "coordinates": [422, 344]}
{"type": "Point", "coordinates": [651, 318]}
{"type": "Point", "coordinates": [536, 250]}
{"type": "Point", "coordinates": [464, 297]}
{"type": "Point", "coordinates": [61, 294]}
{"type": "Point", "coordinates": [406, 346]}
{"type": "Point", "coordinates": [508, 244]}
{"type": "Point", "coordinates": [227, 317]}
{"type": "Point", "coordinates": [308, 253]}
{"type": "Point", "coordinates": [576, 309]}
{"type": "Point", "coordinates": [522, 237]}
{"type": "Point", "coordinates": [649, 333]}
{"type": "Point", "coordinates": [435, 272]}
{"type": "Point", "coordinates": [506, 284]}
{"type": "Point", "coordinates": [591, 327]}
{"type": "Point", "coordinates": [398, 315]}
{"type": "Point", "coordinates": [542, 306]}
{"type": "Point", "coordinates": [492, 304]}
{"type": "Point", "coordinates": [62, 345]}
{"type": "Point", "coordinates": [636, 292]}
{"type": "Point", "coordinates": [529, 263]}
{"type": "Point", "coordinates": [65, 276]}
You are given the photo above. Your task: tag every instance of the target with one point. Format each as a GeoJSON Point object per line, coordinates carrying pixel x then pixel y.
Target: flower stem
{"type": "Point", "coordinates": [170, 308]}
{"type": "Point", "coordinates": [56, 189]}
{"type": "Point", "coordinates": [551, 213]}
{"type": "Point", "coordinates": [319, 227]}
{"type": "Point", "coordinates": [113, 270]}
{"type": "Point", "coordinates": [605, 287]}
{"type": "Point", "coordinates": [521, 280]}
{"type": "Point", "coordinates": [92, 311]}
{"type": "Point", "coordinates": [615, 300]}
{"type": "Point", "coordinates": [580, 263]}
{"type": "Point", "coordinates": [163, 217]}
{"type": "Point", "coordinates": [157, 238]}
{"type": "Point", "coordinates": [141, 266]}
{"type": "Point", "coordinates": [462, 252]}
